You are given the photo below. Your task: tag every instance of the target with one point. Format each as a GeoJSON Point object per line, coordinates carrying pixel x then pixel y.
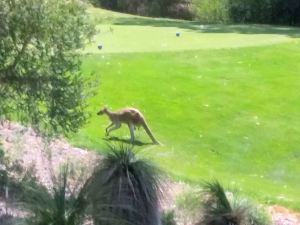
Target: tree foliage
{"type": "Point", "coordinates": [162, 8]}
{"type": "Point", "coordinates": [40, 80]}
{"type": "Point", "coordinates": [247, 11]}
{"type": "Point", "coordinates": [265, 11]}
{"type": "Point", "coordinates": [213, 11]}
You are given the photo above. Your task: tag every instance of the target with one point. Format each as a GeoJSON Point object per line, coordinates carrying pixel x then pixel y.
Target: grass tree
{"type": "Point", "coordinates": [127, 188]}
{"type": "Point", "coordinates": [57, 205]}
{"type": "Point", "coordinates": [222, 209]}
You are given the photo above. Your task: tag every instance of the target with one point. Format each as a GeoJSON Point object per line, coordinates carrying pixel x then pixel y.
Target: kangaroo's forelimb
{"type": "Point", "coordinates": [107, 128]}
{"type": "Point", "coordinates": [113, 127]}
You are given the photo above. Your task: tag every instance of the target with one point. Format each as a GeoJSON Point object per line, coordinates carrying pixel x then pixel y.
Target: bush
{"type": "Point", "coordinates": [250, 11]}
{"type": "Point", "coordinates": [211, 11]}
{"type": "Point", "coordinates": [286, 12]}
{"type": "Point", "coordinates": [160, 8]}
{"type": "Point", "coordinates": [180, 10]}
{"type": "Point", "coordinates": [247, 11]}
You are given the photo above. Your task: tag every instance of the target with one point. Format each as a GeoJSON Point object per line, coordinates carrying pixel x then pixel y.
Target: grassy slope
{"type": "Point", "coordinates": [229, 113]}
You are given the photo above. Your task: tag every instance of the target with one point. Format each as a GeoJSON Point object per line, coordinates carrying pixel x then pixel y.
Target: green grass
{"type": "Point", "coordinates": [122, 33]}
{"type": "Point", "coordinates": [223, 107]}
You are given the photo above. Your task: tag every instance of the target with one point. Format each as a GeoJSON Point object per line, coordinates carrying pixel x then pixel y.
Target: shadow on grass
{"type": "Point", "coordinates": [210, 28]}
{"type": "Point", "coordinates": [126, 141]}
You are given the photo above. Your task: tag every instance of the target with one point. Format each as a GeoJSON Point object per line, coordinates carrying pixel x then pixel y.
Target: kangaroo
{"type": "Point", "coordinates": [130, 116]}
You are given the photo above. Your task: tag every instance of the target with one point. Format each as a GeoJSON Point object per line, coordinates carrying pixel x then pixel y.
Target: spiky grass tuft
{"type": "Point", "coordinates": [130, 187]}
{"type": "Point", "coordinates": [217, 209]}
{"type": "Point", "coordinates": [56, 205]}
{"type": "Point", "coordinates": [221, 208]}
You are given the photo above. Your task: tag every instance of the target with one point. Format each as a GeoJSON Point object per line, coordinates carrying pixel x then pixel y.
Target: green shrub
{"type": "Point", "coordinates": [211, 11]}
{"type": "Point", "coordinates": [160, 8]}
{"type": "Point", "coordinates": [250, 11]}
{"type": "Point", "coordinates": [247, 11]}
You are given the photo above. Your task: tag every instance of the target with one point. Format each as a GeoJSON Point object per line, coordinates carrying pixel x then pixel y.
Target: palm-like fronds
{"type": "Point", "coordinates": [218, 210]}
{"type": "Point", "coordinates": [127, 188]}
{"type": "Point", "coordinates": [56, 206]}
{"type": "Point", "coordinates": [217, 201]}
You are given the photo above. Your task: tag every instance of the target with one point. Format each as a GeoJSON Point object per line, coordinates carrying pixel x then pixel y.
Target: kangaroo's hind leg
{"type": "Point", "coordinates": [131, 129]}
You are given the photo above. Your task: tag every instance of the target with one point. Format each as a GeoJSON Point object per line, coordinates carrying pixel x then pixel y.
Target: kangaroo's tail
{"type": "Point", "coordinates": [148, 131]}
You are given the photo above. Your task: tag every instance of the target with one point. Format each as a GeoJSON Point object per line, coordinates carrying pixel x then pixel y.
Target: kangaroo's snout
{"type": "Point", "coordinates": [100, 112]}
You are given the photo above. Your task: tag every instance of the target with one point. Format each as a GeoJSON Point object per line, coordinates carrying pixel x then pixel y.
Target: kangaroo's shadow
{"type": "Point", "coordinates": [126, 141]}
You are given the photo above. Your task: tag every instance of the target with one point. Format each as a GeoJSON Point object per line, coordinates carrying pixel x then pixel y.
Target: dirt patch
{"type": "Point", "coordinates": [22, 144]}
{"type": "Point", "coordinates": [284, 216]}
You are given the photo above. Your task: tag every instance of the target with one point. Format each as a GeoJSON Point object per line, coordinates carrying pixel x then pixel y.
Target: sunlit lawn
{"type": "Point", "coordinates": [223, 100]}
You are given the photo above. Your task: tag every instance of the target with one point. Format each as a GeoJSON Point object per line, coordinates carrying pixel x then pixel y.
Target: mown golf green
{"type": "Point", "coordinates": [223, 100]}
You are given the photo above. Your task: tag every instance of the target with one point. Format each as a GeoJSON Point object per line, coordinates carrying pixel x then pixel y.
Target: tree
{"type": "Point", "coordinates": [265, 11]}
{"type": "Point", "coordinates": [40, 79]}
{"type": "Point", "coordinates": [128, 189]}
{"type": "Point", "coordinates": [286, 12]}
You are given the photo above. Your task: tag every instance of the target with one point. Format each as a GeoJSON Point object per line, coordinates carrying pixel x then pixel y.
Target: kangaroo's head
{"type": "Point", "coordinates": [102, 111]}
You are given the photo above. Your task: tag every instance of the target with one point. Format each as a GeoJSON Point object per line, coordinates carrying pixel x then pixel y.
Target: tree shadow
{"type": "Point", "coordinates": [194, 26]}
{"type": "Point", "coordinates": [126, 141]}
